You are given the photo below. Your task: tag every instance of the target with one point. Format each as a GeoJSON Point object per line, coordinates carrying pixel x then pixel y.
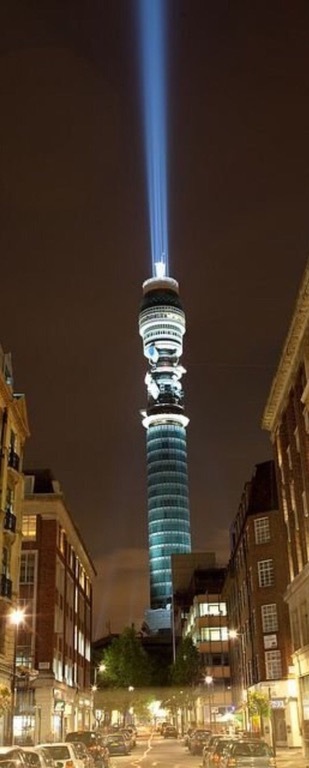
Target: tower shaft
{"type": "Point", "coordinates": [162, 326]}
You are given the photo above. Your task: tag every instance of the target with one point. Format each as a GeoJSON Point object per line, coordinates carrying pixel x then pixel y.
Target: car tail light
{"type": "Point", "coordinates": [69, 764]}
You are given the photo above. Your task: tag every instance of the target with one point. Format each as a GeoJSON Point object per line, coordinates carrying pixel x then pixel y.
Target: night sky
{"type": "Point", "coordinates": [75, 250]}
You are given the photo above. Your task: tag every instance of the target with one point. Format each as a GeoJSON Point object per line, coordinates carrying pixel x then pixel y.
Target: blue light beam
{"type": "Point", "coordinates": [152, 23]}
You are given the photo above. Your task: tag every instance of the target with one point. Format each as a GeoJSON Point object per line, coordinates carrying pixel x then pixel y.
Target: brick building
{"type": "Point", "coordinates": [255, 586]}
{"type": "Point", "coordinates": [13, 433]}
{"type": "Point", "coordinates": [286, 417]}
{"type": "Point", "coordinates": [53, 649]}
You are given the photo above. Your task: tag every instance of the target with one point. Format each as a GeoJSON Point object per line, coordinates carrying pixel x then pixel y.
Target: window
{"type": "Point", "coordinates": [269, 617]}
{"type": "Point", "coordinates": [29, 526]}
{"type": "Point", "coordinates": [214, 634]}
{"type": "Point", "coordinates": [212, 609]}
{"type": "Point", "coordinates": [273, 666]}
{"type": "Point", "coordinates": [61, 539]}
{"type": "Point", "coordinates": [288, 450]}
{"type": "Point", "coordinates": [261, 530]}
{"type": "Point", "coordinates": [27, 568]}
{"type": "Point", "coordinates": [305, 505]}
{"type": "Point", "coordinates": [304, 622]}
{"type": "Point", "coordinates": [6, 562]}
{"type": "Point", "coordinates": [266, 573]}
{"type": "Point", "coordinates": [295, 630]}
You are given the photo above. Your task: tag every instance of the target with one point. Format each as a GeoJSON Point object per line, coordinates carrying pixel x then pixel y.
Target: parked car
{"type": "Point", "coordinates": [48, 760]}
{"type": "Point", "coordinates": [37, 758]}
{"type": "Point", "coordinates": [94, 743]}
{"type": "Point", "coordinates": [247, 753]}
{"type": "Point", "coordinates": [12, 757]}
{"type": "Point", "coordinates": [212, 756]}
{"type": "Point", "coordinates": [198, 739]}
{"type": "Point", "coordinates": [170, 732]}
{"type": "Point", "coordinates": [117, 744]}
{"type": "Point", "coordinates": [132, 732]}
{"type": "Point", "coordinates": [128, 736]}
{"type": "Point", "coordinates": [64, 754]}
{"type": "Point", "coordinates": [84, 754]}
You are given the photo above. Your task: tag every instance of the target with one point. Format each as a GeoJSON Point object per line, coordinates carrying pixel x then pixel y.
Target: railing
{"type": "Point", "coordinates": [13, 460]}
{"type": "Point", "coordinates": [9, 521]}
{"type": "Point", "coordinates": [5, 587]}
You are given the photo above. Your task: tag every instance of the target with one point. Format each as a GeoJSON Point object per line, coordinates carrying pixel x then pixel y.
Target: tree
{"type": "Point", "coordinates": [258, 704]}
{"type": "Point", "coordinates": [127, 673]}
{"type": "Point", "coordinates": [187, 667]}
{"type": "Point", "coordinates": [126, 662]}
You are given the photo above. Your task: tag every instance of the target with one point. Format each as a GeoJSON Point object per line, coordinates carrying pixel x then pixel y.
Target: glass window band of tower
{"type": "Point", "coordinates": [168, 505]}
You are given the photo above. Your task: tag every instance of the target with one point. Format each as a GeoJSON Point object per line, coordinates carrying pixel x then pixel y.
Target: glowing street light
{"type": "Point", "coordinates": [100, 668]}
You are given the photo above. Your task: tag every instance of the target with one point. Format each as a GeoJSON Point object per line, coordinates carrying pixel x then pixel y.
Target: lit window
{"type": "Point", "coordinates": [261, 530]}
{"type": "Point", "coordinates": [29, 526]}
{"type": "Point", "coordinates": [27, 568]}
{"type": "Point", "coordinates": [266, 573]}
{"type": "Point", "coordinates": [212, 609]}
{"type": "Point", "coordinates": [288, 451]}
{"type": "Point", "coordinates": [213, 634]}
{"type": "Point", "coordinates": [273, 666]}
{"type": "Point", "coordinates": [269, 617]}
{"type": "Point", "coordinates": [61, 539]}
{"type": "Point", "coordinates": [305, 504]}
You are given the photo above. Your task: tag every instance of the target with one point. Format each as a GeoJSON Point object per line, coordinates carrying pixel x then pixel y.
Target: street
{"type": "Point", "coordinates": [160, 753]}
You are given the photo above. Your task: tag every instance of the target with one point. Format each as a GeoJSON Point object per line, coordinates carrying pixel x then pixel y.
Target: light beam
{"type": "Point", "coordinates": [152, 27]}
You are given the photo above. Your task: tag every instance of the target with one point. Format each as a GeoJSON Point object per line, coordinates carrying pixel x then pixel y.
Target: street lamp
{"type": "Point", "coordinates": [16, 618]}
{"type": "Point", "coordinates": [99, 668]}
{"type": "Point", "coordinates": [209, 682]}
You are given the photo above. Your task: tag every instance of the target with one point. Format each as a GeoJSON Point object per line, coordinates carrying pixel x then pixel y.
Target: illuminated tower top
{"type": "Point", "coordinates": [162, 326]}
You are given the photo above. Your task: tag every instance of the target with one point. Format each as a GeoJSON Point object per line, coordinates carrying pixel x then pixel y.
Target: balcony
{"type": "Point", "coordinates": [9, 523]}
{"type": "Point", "coordinates": [5, 587]}
{"type": "Point", "coordinates": [13, 460]}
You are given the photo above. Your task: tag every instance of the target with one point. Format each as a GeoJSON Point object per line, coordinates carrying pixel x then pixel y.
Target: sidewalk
{"type": "Point", "coordinates": [291, 758]}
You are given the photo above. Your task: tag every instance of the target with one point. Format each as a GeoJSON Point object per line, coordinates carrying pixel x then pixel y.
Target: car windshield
{"type": "Point", "coordinates": [59, 752]}
{"type": "Point", "coordinates": [220, 746]}
{"type": "Point", "coordinates": [86, 738]}
{"type": "Point", "coordinates": [253, 749]}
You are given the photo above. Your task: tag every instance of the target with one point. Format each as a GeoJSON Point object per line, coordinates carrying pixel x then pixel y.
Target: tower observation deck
{"type": "Point", "coordinates": [162, 327]}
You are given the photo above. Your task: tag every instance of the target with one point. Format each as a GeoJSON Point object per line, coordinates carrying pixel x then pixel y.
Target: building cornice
{"type": "Point", "coordinates": [290, 357]}
{"type": "Point", "coordinates": [17, 404]}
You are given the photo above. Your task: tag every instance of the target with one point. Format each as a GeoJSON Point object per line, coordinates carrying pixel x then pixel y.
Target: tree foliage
{"type": "Point", "coordinates": [187, 667]}
{"type": "Point", "coordinates": [126, 662]}
{"type": "Point", "coordinates": [259, 705]}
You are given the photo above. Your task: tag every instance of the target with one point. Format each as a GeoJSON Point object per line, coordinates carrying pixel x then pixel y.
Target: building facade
{"type": "Point", "coordinates": [260, 650]}
{"type": "Point", "coordinates": [286, 417]}
{"type": "Point", "coordinates": [162, 326]}
{"type": "Point", "coordinates": [207, 625]}
{"type": "Point", "coordinates": [14, 431]}
{"type": "Point", "coordinates": [53, 643]}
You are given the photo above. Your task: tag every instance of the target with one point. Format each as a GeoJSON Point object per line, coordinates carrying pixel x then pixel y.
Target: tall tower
{"type": "Point", "coordinates": [162, 326]}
